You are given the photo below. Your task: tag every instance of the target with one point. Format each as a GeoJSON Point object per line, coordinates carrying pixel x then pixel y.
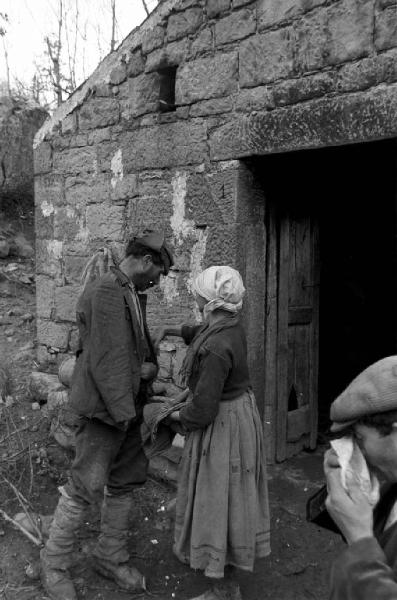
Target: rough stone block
{"type": "Point", "coordinates": [223, 245]}
{"type": "Point", "coordinates": [304, 88]}
{"type": "Point", "coordinates": [102, 90]}
{"type": "Point", "coordinates": [106, 154]}
{"type": "Point", "coordinates": [271, 13]}
{"type": "Point", "coordinates": [154, 202]}
{"type": "Point", "coordinates": [44, 220]}
{"type": "Point", "coordinates": [253, 99]}
{"type": "Point", "coordinates": [216, 7]}
{"type": "Point", "coordinates": [105, 221]}
{"type": "Point", "coordinates": [368, 72]}
{"type": "Point", "coordinates": [48, 189]}
{"type": "Point", "coordinates": [172, 54]}
{"type": "Point", "coordinates": [136, 63]}
{"type": "Point", "coordinates": [206, 78]}
{"type": "Point", "coordinates": [98, 136]}
{"type": "Point", "coordinates": [350, 26]}
{"type": "Point", "coordinates": [125, 188]}
{"type": "Point", "coordinates": [74, 339]}
{"type": "Point", "coordinates": [144, 94]}
{"type": "Point", "coordinates": [87, 191]}
{"type": "Point", "coordinates": [49, 257]}
{"type": "Point", "coordinates": [42, 156]}
{"type": "Point", "coordinates": [76, 160]}
{"type": "Point", "coordinates": [74, 267]}
{"type": "Point", "coordinates": [239, 3]}
{"type": "Point", "coordinates": [54, 335]}
{"type": "Point", "coordinates": [330, 121]}
{"type": "Point", "coordinates": [211, 107]}
{"type": "Point", "coordinates": [236, 26]}
{"type": "Point", "coordinates": [99, 112]}
{"type": "Point", "coordinates": [183, 23]}
{"type": "Point", "coordinates": [153, 39]}
{"type": "Point", "coordinates": [69, 123]}
{"type": "Point", "coordinates": [310, 42]}
{"type": "Point", "coordinates": [65, 302]}
{"type": "Point", "coordinates": [265, 58]}
{"type": "Point", "coordinates": [203, 43]}
{"type": "Point", "coordinates": [118, 74]}
{"type": "Point", "coordinates": [386, 29]}
{"type": "Point", "coordinates": [163, 146]}
{"type": "Point", "coordinates": [45, 296]}
{"type": "Point", "coordinates": [211, 198]}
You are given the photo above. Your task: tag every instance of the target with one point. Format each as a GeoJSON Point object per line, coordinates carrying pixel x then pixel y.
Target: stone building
{"type": "Point", "coordinates": [258, 134]}
{"type": "Point", "coordinates": [19, 121]}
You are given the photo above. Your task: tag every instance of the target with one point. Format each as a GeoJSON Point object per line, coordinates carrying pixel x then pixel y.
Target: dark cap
{"type": "Point", "coordinates": [154, 240]}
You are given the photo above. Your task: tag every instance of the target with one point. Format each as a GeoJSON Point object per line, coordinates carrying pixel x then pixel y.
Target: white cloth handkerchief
{"type": "Point", "coordinates": [352, 461]}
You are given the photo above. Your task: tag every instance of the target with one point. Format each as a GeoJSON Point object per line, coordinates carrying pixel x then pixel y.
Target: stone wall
{"type": "Point", "coordinates": [19, 121]}
{"type": "Point", "coordinates": [251, 78]}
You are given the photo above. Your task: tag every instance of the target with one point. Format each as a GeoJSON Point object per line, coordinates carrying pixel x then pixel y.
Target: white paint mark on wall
{"type": "Point", "coordinates": [116, 166]}
{"type": "Point", "coordinates": [47, 208]}
{"type": "Point", "coordinates": [169, 287]}
{"type": "Point", "coordinates": [196, 265]}
{"type": "Point", "coordinates": [54, 248]}
{"type": "Point", "coordinates": [181, 226]}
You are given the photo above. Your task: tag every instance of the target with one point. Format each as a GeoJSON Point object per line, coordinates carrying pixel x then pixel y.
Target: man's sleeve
{"type": "Point", "coordinates": [110, 359]}
{"type": "Point", "coordinates": [361, 572]}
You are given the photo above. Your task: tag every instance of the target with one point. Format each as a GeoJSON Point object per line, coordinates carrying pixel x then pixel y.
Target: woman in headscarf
{"type": "Point", "coordinates": [222, 513]}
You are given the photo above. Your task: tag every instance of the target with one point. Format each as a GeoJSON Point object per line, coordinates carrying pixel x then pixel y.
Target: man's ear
{"type": "Point", "coordinates": [147, 261]}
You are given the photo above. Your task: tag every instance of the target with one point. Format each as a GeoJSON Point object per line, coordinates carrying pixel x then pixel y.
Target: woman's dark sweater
{"type": "Point", "coordinates": [220, 372]}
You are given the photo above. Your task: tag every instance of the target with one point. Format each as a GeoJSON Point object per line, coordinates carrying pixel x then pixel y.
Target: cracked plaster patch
{"type": "Point", "coordinates": [46, 208]}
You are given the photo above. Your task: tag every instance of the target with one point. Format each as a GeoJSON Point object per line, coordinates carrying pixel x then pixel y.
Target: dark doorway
{"type": "Point", "coordinates": [352, 192]}
{"type": "Point", "coordinates": [358, 301]}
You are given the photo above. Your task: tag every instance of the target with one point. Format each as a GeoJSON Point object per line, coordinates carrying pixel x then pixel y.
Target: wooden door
{"type": "Point", "coordinates": [292, 309]}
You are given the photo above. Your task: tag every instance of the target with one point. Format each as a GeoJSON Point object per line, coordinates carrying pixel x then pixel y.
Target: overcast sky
{"type": "Point", "coordinates": [30, 21]}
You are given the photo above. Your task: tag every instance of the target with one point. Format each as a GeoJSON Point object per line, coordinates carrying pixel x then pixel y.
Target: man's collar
{"type": "Point", "coordinates": [121, 276]}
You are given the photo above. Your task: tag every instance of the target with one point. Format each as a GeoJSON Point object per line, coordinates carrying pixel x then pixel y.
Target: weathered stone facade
{"type": "Point", "coordinates": [251, 78]}
{"type": "Point", "coordinates": [19, 121]}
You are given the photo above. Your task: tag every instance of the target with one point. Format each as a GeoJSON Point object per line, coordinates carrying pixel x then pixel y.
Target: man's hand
{"type": "Point", "coordinates": [174, 416]}
{"type": "Point", "coordinates": [351, 511]}
{"type": "Point", "coordinates": [148, 371]}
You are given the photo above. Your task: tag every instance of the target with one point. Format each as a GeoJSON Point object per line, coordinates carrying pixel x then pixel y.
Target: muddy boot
{"type": "Point", "coordinates": [222, 589]}
{"type": "Point", "coordinates": [57, 555]}
{"type": "Point", "coordinates": [111, 555]}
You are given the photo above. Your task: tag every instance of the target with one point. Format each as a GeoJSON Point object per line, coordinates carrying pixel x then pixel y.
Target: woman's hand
{"type": "Point", "coordinates": [351, 511]}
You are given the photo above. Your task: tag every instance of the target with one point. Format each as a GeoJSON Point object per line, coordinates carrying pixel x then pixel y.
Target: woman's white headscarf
{"type": "Point", "coordinates": [222, 287]}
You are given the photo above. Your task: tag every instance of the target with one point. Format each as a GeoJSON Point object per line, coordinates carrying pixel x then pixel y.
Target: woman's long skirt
{"type": "Point", "coordinates": [222, 510]}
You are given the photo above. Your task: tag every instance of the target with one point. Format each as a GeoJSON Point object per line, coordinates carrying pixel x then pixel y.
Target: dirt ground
{"type": "Point", "coordinates": [297, 569]}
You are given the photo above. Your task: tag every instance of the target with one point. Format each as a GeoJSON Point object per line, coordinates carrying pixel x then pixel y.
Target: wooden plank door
{"type": "Point", "coordinates": [297, 333]}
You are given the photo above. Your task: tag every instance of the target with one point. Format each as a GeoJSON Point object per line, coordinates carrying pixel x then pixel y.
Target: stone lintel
{"type": "Point", "coordinates": [347, 119]}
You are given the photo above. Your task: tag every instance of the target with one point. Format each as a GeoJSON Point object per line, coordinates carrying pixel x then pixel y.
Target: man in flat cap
{"type": "Point", "coordinates": [114, 368]}
{"type": "Point", "coordinates": [367, 411]}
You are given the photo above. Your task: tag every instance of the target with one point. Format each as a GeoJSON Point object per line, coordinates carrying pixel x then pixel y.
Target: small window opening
{"type": "Point", "coordinates": [167, 89]}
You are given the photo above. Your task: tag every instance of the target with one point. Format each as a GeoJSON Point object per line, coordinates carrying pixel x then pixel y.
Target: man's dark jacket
{"type": "Point", "coordinates": [107, 376]}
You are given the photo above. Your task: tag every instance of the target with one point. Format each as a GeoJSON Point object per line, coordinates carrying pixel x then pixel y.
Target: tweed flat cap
{"type": "Point", "coordinates": [374, 390]}
{"type": "Point", "coordinates": [155, 241]}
